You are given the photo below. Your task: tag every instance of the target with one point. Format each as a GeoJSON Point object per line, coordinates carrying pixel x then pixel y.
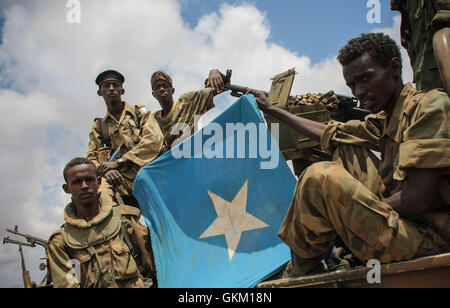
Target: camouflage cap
{"type": "Point", "coordinates": [160, 75]}
{"type": "Point", "coordinates": [109, 75]}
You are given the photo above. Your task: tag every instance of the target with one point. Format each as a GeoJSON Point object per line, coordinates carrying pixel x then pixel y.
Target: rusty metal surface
{"type": "Point", "coordinates": [428, 272]}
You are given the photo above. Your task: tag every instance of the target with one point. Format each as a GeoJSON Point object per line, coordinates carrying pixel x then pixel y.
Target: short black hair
{"type": "Point", "coordinates": [379, 45]}
{"type": "Point", "coordinates": [75, 162]}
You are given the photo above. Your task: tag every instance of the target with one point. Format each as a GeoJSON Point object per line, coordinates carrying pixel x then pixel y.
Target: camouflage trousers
{"type": "Point", "coordinates": [428, 80]}
{"type": "Point", "coordinates": [330, 202]}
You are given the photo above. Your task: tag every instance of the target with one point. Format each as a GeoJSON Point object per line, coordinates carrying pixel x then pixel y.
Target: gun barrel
{"type": "Point", "coordinates": [238, 91]}
{"type": "Point", "coordinates": [7, 240]}
{"type": "Point", "coordinates": [30, 239]}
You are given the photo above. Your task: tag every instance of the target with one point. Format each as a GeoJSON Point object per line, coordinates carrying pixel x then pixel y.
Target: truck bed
{"type": "Point", "coordinates": [428, 272]}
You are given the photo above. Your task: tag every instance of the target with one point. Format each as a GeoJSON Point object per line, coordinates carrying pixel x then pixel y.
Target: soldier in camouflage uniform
{"type": "Point", "coordinates": [133, 131]}
{"type": "Point", "coordinates": [425, 33]}
{"type": "Point", "coordinates": [188, 105]}
{"type": "Point", "coordinates": [107, 240]}
{"type": "Point", "coordinates": [394, 209]}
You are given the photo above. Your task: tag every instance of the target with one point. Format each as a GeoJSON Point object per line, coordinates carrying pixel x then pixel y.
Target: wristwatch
{"type": "Point", "coordinates": [121, 161]}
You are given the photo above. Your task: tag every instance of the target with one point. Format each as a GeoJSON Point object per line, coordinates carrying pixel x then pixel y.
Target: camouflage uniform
{"type": "Point", "coordinates": [421, 19]}
{"type": "Point", "coordinates": [138, 135]}
{"type": "Point", "coordinates": [344, 198]}
{"type": "Point", "coordinates": [105, 256]}
{"type": "Point", "coordinates": [183, 111]}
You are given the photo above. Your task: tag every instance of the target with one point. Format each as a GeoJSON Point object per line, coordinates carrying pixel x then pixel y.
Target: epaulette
{"type": "Point", "coordinates": [127, 210]}
{"type": "Point", "coordinates": [59, 231]}
{"type": "Point", "coordinates": [141, 109]}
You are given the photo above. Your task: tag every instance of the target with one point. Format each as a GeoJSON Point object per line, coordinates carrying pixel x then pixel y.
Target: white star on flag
{"type": "Point", "coordinates": [232, 219]}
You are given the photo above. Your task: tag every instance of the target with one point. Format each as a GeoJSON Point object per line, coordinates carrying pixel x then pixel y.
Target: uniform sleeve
{"type": "Point", "coordinates": [95, 143]}
{"type": "Point", "coordinates": [58, 260]}
{"type": "Point", "coordinates": [150, 144]}
{"type": "Point", "coordinates": [360, 133]}
{"type": "Point", "coordinates": [442, 17]}
{"type": "Point", "coordinates": [198, 102]}
{"type": "Point", "coordinates": [426, 141]}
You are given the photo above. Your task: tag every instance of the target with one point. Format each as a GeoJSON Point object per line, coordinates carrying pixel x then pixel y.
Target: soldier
{"type": "Point", "coordinates": [394, 209]}
{"type": "Point", "coordinates": [106, 240]}
{"type": "Point", "coordinates": [132, 131]}
{"type": "Point", "coordinates": [188, 105]}
{"type": "Point", "coordinates": [425, 33]}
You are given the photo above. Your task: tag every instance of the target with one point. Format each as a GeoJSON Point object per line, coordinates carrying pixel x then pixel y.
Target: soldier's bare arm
{"type": "Point", "coordinates": [417, 195]}
{"type": "Point", "coordinates": [309, 128]}
{"type": "Point", "coordinates": [441, 46]}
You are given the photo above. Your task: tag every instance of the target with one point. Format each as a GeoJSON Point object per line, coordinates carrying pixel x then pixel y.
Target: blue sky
{"type": "Point", "coordinates": [317, 28]}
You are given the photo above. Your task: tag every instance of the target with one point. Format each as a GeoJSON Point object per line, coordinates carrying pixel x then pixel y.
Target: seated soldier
{"type": "Point", "coordinates": [391, 210]}
{"type": "Point", "coordinates": [188, 105]}
{"type": "Point", "coordinates": [132, 131]}
{"type": "Point", "coordinates": [107, 240]}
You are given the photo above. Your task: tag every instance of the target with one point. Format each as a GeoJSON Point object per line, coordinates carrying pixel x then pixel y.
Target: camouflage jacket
{"type": "Point", "coordinates": [416, 136]}
{"type": "Point", "coordinates": [136, 133]}
{"type": "Point", "coordinates": [183, 111]}
{"type": "Point", "coordinates": [101, 252]}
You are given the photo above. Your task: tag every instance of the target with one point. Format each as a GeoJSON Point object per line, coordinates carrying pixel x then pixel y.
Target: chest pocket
{"type": "Point", "coordinates": [123, 263]}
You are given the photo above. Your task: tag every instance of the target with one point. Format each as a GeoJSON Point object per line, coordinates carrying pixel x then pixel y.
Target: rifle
{"type": "Point", "coordinates": [347, 109]}
{"type": "Point", "coordinates": [33, 240]}
{"type": "Point", "coordinates": [27, 283]}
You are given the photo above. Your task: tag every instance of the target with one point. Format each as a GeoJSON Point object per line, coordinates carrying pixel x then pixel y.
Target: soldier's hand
{"type": "Point", "coordinates": [107, 166]}
{"type": "Point", "coordinates": [113, 177]}
{"type": "Point", "coordinates": [261, 99]}
{"type": "Point", "coordinates": [216, 81]}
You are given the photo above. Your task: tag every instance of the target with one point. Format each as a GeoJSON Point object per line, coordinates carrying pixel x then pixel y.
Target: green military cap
{"type": "Point", "coordinates": [160, 75]}
{"type": "Point", "coordinates": [109, 75]}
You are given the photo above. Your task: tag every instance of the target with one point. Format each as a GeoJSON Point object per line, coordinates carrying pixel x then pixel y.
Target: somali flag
{"type": "Point", "coordinates": [215, 203]}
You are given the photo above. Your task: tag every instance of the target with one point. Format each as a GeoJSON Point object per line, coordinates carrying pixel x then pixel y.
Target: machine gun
{"type": "Point", "coordinates": [27, 283]}
{"type": "Point", "coordinates": [318, 107]}
{"type": "Point", "coordinates": [346, 110]}
{"type": "Point", "coordinates": [32, 241]}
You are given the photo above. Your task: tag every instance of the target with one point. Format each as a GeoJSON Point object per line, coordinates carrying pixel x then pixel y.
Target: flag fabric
{"type": "Point", "coordinates": [214, 204]}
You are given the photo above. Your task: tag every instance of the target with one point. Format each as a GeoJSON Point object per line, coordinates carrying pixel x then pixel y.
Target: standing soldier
{"type": "Point", "coordinates": [104, 239]}
{"type": "Point", "coordinates": [425, 32]}
{"type": "Point", "coordinates": [131, 131]}
{"type": "Point", "coordinates": [188, 105]}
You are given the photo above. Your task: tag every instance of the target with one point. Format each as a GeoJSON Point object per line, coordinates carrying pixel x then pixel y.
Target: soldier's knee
{"type": "Point", "coordinates": [321, 170]}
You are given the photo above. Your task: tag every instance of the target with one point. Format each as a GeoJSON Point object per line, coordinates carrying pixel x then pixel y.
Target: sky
{"type": "Point", "coordinates": [48, 67]}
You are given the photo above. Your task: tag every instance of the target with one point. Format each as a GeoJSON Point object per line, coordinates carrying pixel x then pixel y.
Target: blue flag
{"type": "Point", "coordinates": [215, 203]}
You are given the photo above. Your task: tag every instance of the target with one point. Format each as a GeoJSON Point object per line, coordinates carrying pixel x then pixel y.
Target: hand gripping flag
{"type": "Point", "coordinates": [215, 203]}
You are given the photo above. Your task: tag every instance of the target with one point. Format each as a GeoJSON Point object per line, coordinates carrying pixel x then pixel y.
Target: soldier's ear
{"type": "Point", "coordinates": [122, 91]}
{"type": "Point", "coordinates": [396, 66]}
{"type": "Point", "coordinates": [99, 93]}
{"type": "Point", "coordinates": [173, 91]}
{"type": "Point", "coordinates": [66, 189]}
{"type": "Point", "coordinates": [99, 180]}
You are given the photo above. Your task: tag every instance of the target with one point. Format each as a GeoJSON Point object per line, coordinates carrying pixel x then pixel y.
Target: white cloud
{"type": "Point", "coordinates": [51, 103]}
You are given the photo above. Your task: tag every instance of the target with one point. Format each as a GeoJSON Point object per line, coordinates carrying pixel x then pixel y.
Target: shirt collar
{"type": "Point", "coordinates": [127, 108]}
{"type": "Point", "coordinates": [391, 127]}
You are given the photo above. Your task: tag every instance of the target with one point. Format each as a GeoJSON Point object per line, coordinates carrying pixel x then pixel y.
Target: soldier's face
{"type": "Point", "coordinates": [163, 91]}
{"type": "Point", "coordinates": [82, 183]}
{"type": "Point", "coordinates": [375, 86]}
{"type": "Point", "coordinates": [111, 91]}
